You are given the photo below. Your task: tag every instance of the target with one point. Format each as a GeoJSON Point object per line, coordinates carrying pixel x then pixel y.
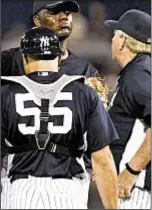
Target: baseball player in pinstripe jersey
{"type": "Point", "coordinates": [130, 108]}
{"type": "Point", "coordinates": [53, 120]}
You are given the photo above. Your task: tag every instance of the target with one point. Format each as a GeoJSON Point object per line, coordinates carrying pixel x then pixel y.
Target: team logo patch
{"type": "Point", "coordinates": [45, 44]}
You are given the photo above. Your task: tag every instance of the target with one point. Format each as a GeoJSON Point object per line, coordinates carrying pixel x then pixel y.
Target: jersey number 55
{"type": "Point", "coordinates": [65, 112]}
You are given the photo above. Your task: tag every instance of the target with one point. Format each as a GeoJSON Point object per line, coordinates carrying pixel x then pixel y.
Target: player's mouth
{"type": "Point", "coordinates": [64, 25]}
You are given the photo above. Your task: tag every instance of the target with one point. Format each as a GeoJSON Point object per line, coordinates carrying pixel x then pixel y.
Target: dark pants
{"type": "Point", "coordinates": [94, 199]}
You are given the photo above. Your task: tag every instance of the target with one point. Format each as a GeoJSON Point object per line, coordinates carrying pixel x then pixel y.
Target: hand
{"type": "Point", "coordinates": [126, 181]}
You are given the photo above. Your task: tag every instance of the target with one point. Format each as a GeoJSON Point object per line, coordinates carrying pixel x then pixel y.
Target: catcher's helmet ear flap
{"type": "Point", "coordinates": [41, 43]}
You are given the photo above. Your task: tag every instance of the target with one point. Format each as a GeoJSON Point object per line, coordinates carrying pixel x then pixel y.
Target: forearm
{"type": "Point", "coordinates": [106, 181]}
{"type": "Point", "coordinates": [142, 156]}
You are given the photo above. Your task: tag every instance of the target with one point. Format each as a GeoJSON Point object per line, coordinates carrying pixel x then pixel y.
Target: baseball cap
{"type": "Point", "coordinates": [135, 23]}
{"type": "Point", "coordinates": [70, 5]}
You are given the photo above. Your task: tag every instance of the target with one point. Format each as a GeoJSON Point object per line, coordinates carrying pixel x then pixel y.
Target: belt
{"type": "Point", "coordinates": [25, 176]}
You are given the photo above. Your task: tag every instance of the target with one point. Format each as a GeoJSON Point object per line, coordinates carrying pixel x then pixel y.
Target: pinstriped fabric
{"type": "Point", "coordinates": [6, 185]}
{"type": "Point", "coordinates": [48, 193]}
{"type": "Point", "coordinates": [147, 201]}
{"type": "Point", "coordinates": [140, 199]}
{"type": "Point", "coordinates": [5, 195]}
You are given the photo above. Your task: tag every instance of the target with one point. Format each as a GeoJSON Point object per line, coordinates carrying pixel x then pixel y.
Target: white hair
{"type": "Point", "coordinates": [134, 45]}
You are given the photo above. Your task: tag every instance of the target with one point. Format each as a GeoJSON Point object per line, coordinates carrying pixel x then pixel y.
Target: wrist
{"type": "Point", "coordinates": [131, 170]}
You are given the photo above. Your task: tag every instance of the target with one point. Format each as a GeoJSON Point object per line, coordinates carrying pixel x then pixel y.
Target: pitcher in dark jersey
{"type": "Point", "coordinates": [56, 16]}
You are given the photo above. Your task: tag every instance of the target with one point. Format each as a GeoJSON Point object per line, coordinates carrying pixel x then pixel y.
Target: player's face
{"type": "Point", "coordinates": [58, 21]}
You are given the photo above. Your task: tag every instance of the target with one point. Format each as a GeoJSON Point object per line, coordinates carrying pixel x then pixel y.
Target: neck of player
{"type": "Point", "coordinates": [63, 47]}
{"type": "Point", "coordinates": [42, 65]}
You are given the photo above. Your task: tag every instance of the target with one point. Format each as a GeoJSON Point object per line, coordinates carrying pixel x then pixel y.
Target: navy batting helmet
{"type": "Point", "coordinates": [40, 42]}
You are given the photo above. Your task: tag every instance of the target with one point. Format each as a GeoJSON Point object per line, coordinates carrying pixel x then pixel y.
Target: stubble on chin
{"type": "Point", "coordinates": [64, 33]}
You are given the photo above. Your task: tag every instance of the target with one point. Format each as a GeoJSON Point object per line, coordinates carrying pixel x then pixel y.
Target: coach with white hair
{"type": "Point", "coordinates": [130, 107]}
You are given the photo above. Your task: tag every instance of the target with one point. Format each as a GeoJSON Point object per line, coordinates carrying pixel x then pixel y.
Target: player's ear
{"type": "Point", "coordinates": [122, 42]}
{"type": "Point", "coordinates": [24, 60]}
{"type": "Point", "coordinates": [36, 20]}
{"type": "Point", "coordinates": [25, 64]}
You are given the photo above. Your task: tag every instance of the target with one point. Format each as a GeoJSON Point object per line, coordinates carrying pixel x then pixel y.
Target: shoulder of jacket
{"type": "Point", "coordinates": [10, 51]}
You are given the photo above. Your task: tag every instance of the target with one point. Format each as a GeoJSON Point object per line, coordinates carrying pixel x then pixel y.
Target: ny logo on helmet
{"type": "Point", "coordinates": [44, 43]}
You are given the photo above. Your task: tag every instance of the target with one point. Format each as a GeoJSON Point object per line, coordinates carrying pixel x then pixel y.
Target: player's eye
{"type": "Point", "coordinates": [50, 12]}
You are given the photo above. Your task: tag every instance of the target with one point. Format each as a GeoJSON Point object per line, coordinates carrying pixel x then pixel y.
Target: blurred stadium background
{"type": "Point", "coordinates": [89, 38]}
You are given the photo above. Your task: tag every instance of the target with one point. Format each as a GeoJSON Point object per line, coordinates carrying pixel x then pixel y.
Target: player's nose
{"type": "Point", "coordinates": [63, 16]}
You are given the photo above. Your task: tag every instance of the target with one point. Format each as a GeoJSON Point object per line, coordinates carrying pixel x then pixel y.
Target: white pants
{"type": "Point", "coordinates": [140, 199]}
{"type": "Point", "coordinates": [5, 194]}
{"type": "Point", "coordinates": [48, 193]}
{"type": "Point", "coordinates": [6, 185]}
